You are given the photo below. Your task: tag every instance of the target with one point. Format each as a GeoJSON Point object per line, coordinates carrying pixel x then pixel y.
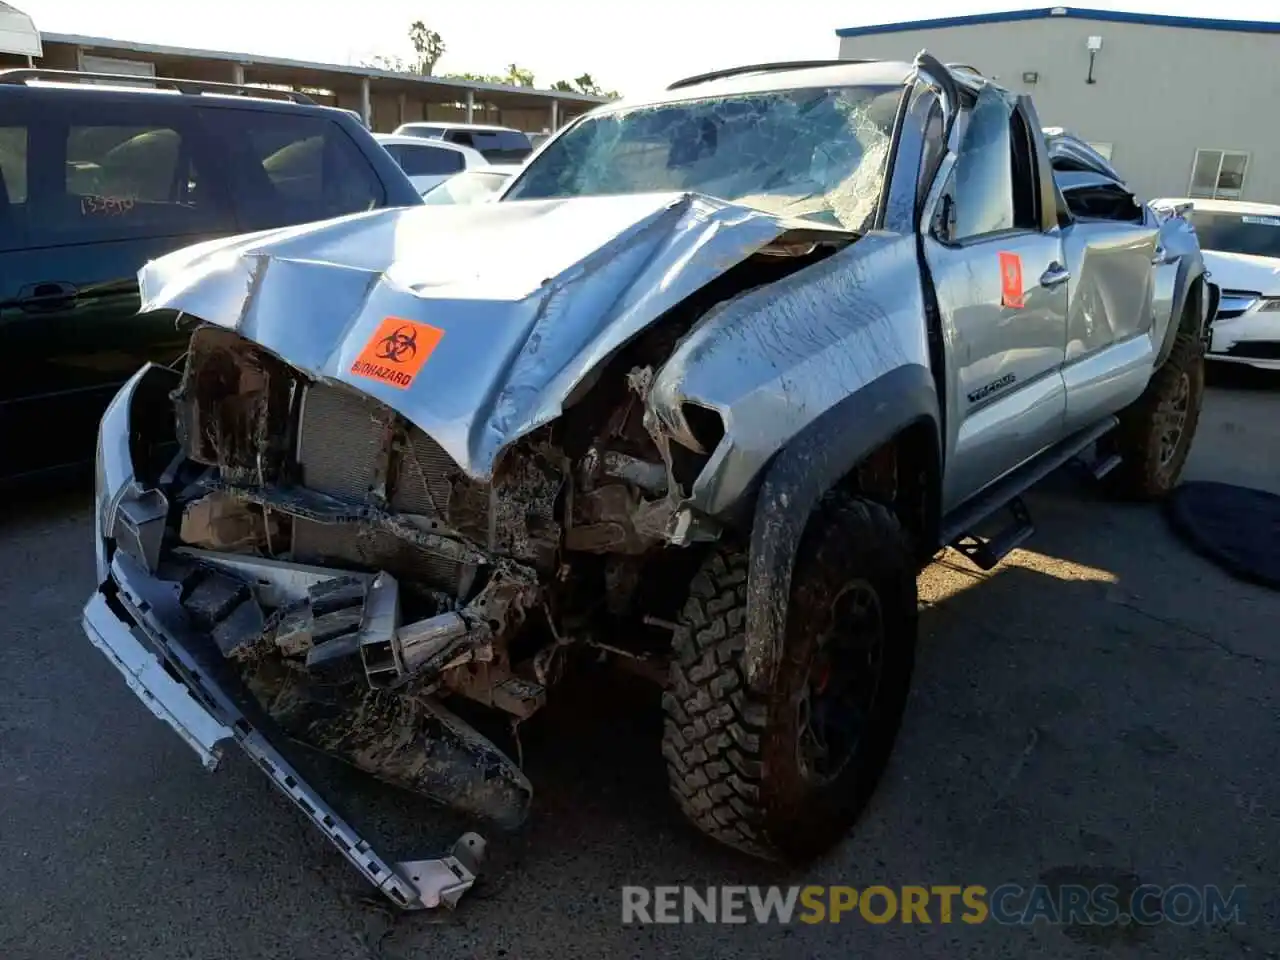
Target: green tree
{"type": "Point", "coordinates": [518, 76]}
{"type": "Point", "coordinates": [394, 64]}
{"type": "Point", "coordinates": [585, 84]}
{"type": "Point", "coordinates": [428, 45]}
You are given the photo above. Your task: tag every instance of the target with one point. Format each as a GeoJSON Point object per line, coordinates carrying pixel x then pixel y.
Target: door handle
{"type": "Point", "coordinates": [51, 293]}
{"type": "Point", "coordinates": [1162, 256]}
{"type": "Point", "coordinates": [1055, 275]}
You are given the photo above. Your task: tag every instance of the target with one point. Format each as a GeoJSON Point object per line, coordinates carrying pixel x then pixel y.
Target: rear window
{"type": "Point", "coordinates": [426, 161]}
{"type": "Point", "coordinates": [496, 146]}
{"type": "Point", "coordinates": [82, 172]}
{"type": "Point", "coordinates": [1234, 233]}
{"type": "Point", "coordinates": [430, 133]}
{"type": "Point", "coordinates": [293, 169]}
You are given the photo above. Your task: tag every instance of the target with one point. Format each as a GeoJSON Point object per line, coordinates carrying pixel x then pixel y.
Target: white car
{"type": "Point", "coordinates": [470, 186]}
{"type": "Point", "coordinates": [428, 163]}
{"type": "Point", "coordinates": [498, 145]}
{"type": "Point", "coordinates": [1241, 244]}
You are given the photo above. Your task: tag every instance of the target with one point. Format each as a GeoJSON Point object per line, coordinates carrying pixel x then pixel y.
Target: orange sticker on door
{"type": "Point", "coordinates": [396, 351]}
{"type": "Point", "coordinates": [1010, 280]}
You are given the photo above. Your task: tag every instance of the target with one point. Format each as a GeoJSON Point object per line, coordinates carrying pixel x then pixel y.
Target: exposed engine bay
{"type": "Point", "coordinates": [365, 585]}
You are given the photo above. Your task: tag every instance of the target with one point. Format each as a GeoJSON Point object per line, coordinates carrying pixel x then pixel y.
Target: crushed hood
{"type": "Point", "coordinates": [1243, 272]}
{"type": "Point", "coordinates": [473, 322]}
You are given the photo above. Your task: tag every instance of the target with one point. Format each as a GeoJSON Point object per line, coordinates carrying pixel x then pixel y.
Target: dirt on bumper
{"type": "Point", "coordinates": [137, 622]}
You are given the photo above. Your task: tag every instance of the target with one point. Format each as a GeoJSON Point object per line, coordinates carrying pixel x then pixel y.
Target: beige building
{"type": "Point", "coordinates": [382, 98]}
{"type": "Point", "coordinates": [1183, 106]}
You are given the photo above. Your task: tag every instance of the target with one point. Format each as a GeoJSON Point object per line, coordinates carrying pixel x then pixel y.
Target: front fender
{"type": "Point", "coordinates": [1190, 271]}
{"type": "Point", "coordinates": [806, 468]}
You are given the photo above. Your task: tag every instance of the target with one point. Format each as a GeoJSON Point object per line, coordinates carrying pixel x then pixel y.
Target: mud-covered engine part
{"type": "Point", "coordinates": [395, 652]}
{"type": "Point", "coordinates": [357, 449]}
{"type": "Point", "coordinates": [301, 663]}
{"type": "Point", "coordinates": [233, 406]}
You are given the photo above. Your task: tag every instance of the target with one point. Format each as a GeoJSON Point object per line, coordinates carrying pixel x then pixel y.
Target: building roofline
{"type": "Point", "coordinates": [1077, 13]}
{"type": "Point", "coordinates": [252, 59]}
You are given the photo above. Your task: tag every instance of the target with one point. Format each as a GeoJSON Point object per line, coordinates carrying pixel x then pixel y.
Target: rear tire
{"type": "Point", "coordinates": [1156, 431]}
{"type": "Point", "coordinates": [785, 774]}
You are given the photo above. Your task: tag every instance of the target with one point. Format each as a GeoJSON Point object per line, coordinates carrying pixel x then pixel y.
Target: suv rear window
{"type": "Point", "coordinates": [293, 169]}
{"type": "Point", "coordinates": [496, 146]}
{"type": "Point", "coordinates": [426, 161]}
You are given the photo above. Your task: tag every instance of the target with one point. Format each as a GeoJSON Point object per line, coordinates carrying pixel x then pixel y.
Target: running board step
{"type": "Point", "coordinates": [957, 526]}
{"type": "Point", "coordinates": [986, 553]}
{"type": "Point", "coordinates": [1100, 468]}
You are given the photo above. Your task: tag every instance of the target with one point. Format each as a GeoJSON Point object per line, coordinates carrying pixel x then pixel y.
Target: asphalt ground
{"type": "Point", "coordinates": [1101, 708]}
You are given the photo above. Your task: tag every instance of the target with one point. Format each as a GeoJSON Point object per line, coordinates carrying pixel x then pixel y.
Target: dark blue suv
{"type": "Point", "coordinates": [96, 179]}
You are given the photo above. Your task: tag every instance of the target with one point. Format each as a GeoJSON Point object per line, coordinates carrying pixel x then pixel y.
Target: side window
{"type": "Point", "coordinates": [982, 184]}
{"type": "Point", "coordinates": [934, 149]}
{"type": "Point", "coordinates": [994, 182]}
{"type": "Point", "coordinates": [13, 164]}
{"type": "Point", "coordinates": [431, 161]}
{"type": "Point", "coordinates": [13, 186]}
{"type": "Point", "coordinates": [460, 136]}
{"type": "Point", "coordinates": [292, 169]}
{"type": "Point", "coordinates": [105, 172]}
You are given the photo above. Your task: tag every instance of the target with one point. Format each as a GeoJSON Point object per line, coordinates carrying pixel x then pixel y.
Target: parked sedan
{"type": "Point", "coordinates": [428, 163]}
{"type": "Point", "coordinates": [1241, 243]}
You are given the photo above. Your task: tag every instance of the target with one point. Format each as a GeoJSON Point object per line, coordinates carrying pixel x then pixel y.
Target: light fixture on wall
{"type": "Point", "coordinates": [1094, 45]}
{"type": "Point", "coordinates": [1030, 76]}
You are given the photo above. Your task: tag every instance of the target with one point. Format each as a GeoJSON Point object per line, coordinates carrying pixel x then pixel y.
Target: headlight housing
{"type": "Point", "coordinates": [113, 470]}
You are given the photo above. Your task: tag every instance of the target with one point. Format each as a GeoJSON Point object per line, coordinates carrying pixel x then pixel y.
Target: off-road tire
{"type": "Point", "coordinates": [732, 755]}
{"type": "Point", "coordinates": [1144, 473]}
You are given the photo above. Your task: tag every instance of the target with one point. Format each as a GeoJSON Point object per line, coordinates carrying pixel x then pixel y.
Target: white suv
{"type": "Point", "coordinates": [500, 145]}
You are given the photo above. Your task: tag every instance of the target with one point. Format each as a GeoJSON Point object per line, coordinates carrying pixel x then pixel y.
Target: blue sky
{"type": "Point", "coordinates": [626, 46]}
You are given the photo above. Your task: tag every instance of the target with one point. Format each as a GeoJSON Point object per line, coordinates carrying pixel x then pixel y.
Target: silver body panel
{"type": "Point", "coordinates": [774, 359]}
{"type": "Point", "coordinates": [531, 297]}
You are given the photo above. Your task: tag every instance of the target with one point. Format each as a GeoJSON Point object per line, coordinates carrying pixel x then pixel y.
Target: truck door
{"type": "Point", "coordinates": [994, 251]}
{"type": "Point", "coordinates": [1110, 345]}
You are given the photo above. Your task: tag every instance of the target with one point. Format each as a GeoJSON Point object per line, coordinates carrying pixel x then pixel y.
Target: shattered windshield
{"type": "Point", "coordinates": [819, 154]}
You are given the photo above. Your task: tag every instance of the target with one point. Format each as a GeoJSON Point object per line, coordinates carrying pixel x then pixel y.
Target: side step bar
{"type": "Point", "coordinates": [958, 525]}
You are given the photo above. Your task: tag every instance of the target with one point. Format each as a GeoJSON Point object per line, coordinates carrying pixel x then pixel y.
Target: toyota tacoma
{"type": "Point", "coordinates": [700, 393]}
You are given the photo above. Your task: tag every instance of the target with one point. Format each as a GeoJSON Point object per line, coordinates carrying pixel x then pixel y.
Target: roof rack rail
{"type": "Point", "coordinates": [23, 74]}
{"type": "Point", "coordinates": [760, 68]}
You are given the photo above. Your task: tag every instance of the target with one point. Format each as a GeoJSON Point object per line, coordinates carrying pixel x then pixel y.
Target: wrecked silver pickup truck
{"type": "Point", "coordinates": [703, 389]}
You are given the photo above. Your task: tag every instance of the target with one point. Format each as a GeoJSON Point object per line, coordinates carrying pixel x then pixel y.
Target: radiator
{"type": "Point", "coordinates": [344, 450]}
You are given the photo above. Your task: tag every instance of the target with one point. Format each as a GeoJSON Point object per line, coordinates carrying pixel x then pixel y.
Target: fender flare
{"type": "Point", "coordinates": [1189, 273]}
{"type": "Point", "coordinates": [806, 468]}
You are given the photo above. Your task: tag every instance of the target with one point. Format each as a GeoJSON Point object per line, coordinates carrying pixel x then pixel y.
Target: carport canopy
{"type": "Point", "coordinates": [18, 33]}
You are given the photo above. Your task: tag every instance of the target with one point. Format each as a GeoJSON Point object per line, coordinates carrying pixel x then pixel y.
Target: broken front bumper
{"type": "Point", "coordinates": [137, 621]}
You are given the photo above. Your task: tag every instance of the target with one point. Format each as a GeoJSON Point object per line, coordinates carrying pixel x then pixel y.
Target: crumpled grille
{"type": "Point", "coordinates": [345, 449]}
{"type": "Point", "coordinates": [342, 440]}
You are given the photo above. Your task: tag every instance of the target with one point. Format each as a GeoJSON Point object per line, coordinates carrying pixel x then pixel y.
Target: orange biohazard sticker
{"type": "Point", "coordinates": [1010, 280]}
{"type": "Point", "coordinates": [396, 351]}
